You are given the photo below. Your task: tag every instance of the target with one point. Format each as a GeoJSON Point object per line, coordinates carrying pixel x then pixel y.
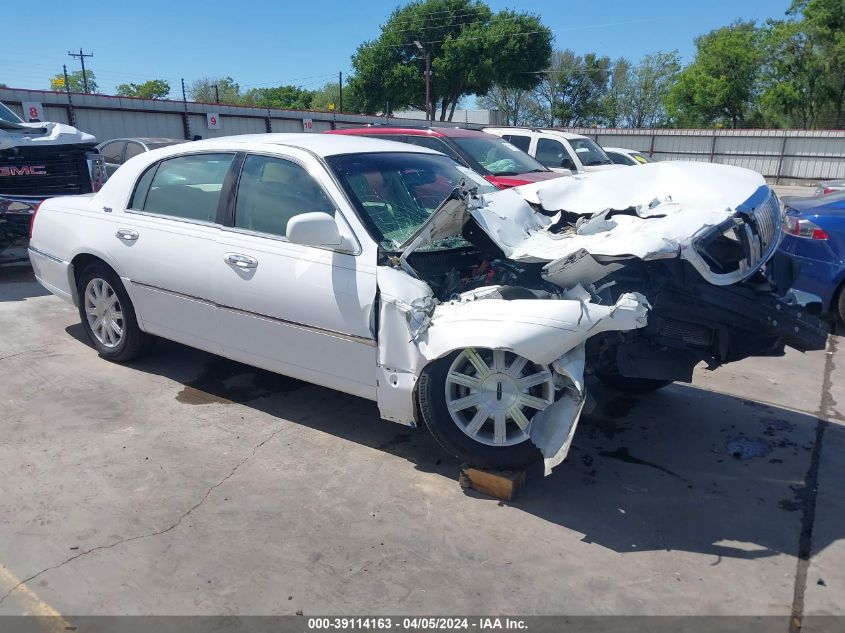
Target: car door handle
{"type": "Point", "coordinates": [241, 261]}
{"type": "Point", "coordinates": [127, 234]}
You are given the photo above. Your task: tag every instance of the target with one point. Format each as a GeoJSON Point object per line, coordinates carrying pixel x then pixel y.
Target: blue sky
{"type": "Point", "coordinates": [265, 43]}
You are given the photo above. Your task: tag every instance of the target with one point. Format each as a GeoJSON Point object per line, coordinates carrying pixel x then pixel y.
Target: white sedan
{"type": "Point", "coordinates": [389, 272]}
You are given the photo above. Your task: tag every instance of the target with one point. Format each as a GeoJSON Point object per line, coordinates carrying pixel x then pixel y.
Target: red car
{"type": "Point", "coordinates": [501, 163]}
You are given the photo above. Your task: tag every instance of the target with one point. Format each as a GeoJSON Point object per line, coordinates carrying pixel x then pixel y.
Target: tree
{"type": "Point", "coordinates": [720, 84]}
{"type": "Point", "coordinates": [572, 89]}
{"type": "Point", "coordinates": [284, 97]}
{"type": "Point", "coordinates": [152, 89]}
{"type": "Point", "coordinates": [824, 24]}
{"type": "Point", "coordinates": [75, 82]}
{"type": "Point", "coordinates": [795, 87]}
{"type": "Point", "coordinates": [227, 90]}
{"type": "Point", "coordinates": [649, 84]}
{"type": "Point", "coordinates": [515, 104]}
{"type": "Point", "coordinates": [615, 105]}
{"type": "Point", "coordinates": [470, 48]}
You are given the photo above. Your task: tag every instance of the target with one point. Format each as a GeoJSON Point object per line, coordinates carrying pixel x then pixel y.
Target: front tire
{"type": "Point", "coordinates": [477, 403]}
{"type": "Point", "coordinates": [108, 316]}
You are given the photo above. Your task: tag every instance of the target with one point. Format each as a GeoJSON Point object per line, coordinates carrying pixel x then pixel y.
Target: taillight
{"type": "Point", "coordinates": [32, 219]}
{"type": "Point", "coordinates": [826, 191]}
{"type": "Point", "coordinates": [802, 227]}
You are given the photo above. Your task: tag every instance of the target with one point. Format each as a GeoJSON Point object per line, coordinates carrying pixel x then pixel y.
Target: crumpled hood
{"type": "Point", "coordinates": [41, 134]}
{"type": "Point", "coordinates": [657, 211]}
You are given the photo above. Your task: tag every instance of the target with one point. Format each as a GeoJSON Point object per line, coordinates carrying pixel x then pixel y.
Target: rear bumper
{"type": "Point", "coordinates": [52, 273]}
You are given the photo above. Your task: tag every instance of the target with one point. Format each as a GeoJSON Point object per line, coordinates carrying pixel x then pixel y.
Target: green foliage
{"type": "Point", "coordinates": [648, 87]}
{"type": "Point", "coordinates": [203, 90]}
{"type": "Point", "coordinates": [75, 81]}
{"type": "Point", "coordinates": [720, 84]}
{"type": "Point", "coordinates": [470, 48]}
{"type": "Point", "coordinates": [152, 89]}
{"type": "Point", "coordinates": [285, 97]}
{"type": "Point", "coordinates": [516, 105]}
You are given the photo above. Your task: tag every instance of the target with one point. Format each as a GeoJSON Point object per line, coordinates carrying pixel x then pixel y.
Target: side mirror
{"type": "Point", "coordinates": [314, 229]}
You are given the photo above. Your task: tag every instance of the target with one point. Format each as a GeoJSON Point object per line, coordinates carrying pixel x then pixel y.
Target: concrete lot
{"type": "Point", "coordinates": [188, 484]}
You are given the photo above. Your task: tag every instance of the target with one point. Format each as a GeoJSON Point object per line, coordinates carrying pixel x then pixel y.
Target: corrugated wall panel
{"type": "Point", "coordinates": [677, 143]}
{"type": "Point", "coordinates": [107, 124]}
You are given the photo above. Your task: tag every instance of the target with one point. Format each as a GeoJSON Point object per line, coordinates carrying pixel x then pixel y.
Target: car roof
{"type": "Point", "coordinates": [319, 144]}
{"type": "Point", "coordinates": [623, 150]}
{"type": "Point", "coordinates": [146, 139]}
{"type": "Point", "coordinates": [528, 130]}
{"type": "Point", "coordinates": [448, 132]}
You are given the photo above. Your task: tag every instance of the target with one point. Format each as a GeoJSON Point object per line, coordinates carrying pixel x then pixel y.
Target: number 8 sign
{"type": "Point", "coordinates": [32, 111]}
{"type": "Point", "coordinates": [212, 119]}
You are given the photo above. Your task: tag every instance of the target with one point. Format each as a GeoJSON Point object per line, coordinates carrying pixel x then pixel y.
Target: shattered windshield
{"type": "Point", "coordinates": [396, 192]}
{"type": "Point", "coordinates": [7, 115]}
{"type": "Point", "coordinates": [589, 152]}
{"type": "Point", "coordinates": [497, 156]}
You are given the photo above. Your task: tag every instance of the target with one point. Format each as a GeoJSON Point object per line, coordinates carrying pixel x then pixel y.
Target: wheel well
{"type": "Point", "coordinates": [80, 263]}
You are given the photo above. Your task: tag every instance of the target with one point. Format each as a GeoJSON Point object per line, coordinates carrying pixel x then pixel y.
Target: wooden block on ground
{"type": "Point", "coordinates": [502, 484]}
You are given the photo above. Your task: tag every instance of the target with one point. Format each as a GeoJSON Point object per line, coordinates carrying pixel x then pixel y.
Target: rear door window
{"type": "Point", "coordinates": [522, 142]}
{"type": "Point", "coordinates": [186, 187]}
{"type": "Point", "coordinates": [113, 152]}
{"type": "Point", "coordinates": [133, 149]}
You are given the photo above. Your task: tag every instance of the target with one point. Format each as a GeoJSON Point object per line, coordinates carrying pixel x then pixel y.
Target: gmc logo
{"type": "Point", "coordinates": [24, 170]}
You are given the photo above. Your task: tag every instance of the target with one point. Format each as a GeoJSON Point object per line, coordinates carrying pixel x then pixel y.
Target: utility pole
{"type": "Point", "coordinates": [82, 57]}
{"type": "Point", "coordinates": [185, 122]}
{"type": "Point", "coordinates": [340, 91]}
{"type": "Point", "coordinates": [429, 115]}
{"type": "Point", "coordinates": [70, 116]}
{"type": "Point", "coordinates": [216, 94]}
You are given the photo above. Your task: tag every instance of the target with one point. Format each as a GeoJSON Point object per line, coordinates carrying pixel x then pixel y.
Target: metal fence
{"type": "Point", "coordinates": [109, 117]}
{"type": "Point", "coordinates": [781, 155]}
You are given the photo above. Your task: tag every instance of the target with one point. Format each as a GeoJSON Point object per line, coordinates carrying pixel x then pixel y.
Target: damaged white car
{"type": "Point", "coordinates": [389, 272]}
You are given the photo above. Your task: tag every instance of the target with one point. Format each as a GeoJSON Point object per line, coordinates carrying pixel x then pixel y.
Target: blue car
{"type": "Point", "coordinates": [814, 234]}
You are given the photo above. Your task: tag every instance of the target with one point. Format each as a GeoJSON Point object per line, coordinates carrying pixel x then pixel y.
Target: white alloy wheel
{"type": "Point", "coordinates": [104, 313]}
{"type": "Point", "coordinates": [492, 395]}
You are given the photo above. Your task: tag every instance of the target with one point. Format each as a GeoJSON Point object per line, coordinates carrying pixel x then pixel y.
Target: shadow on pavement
{"type": "Point", "coordinates": [17, 283]}
{"type": "Point", "coordinates": [682, 469]}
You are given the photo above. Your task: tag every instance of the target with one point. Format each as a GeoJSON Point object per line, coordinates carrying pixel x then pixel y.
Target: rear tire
{"type": "Point", "coordinates": [437, 388]}
{"type": "Point", "coordinates": [840, 305]}
{"type": "Point", "coordinates": [108, 316]}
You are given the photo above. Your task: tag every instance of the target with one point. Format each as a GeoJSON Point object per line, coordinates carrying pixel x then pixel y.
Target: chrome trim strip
{"type": "Point", "coordinates": [47, 255]}
{"type": "Point", "coordinates": [349, 337]}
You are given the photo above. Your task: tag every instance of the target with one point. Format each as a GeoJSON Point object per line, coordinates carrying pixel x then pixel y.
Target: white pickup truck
{"type": "Point", "coordinates": [388, 271]}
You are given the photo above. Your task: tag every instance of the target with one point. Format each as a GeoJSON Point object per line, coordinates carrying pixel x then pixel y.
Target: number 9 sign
{"type": "Point", "coordinates": [212, 119]}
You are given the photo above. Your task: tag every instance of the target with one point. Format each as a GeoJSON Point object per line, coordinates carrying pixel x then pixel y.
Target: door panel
{"type": "Point", "coordinates": [298, 310]}
{"type": "Point", "coordinates": [166, 244]}
{"type": "Point", "coordinates": [167, 268]}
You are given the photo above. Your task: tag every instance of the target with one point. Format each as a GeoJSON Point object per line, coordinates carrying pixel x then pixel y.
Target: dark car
{"type": "Point", "coordinates": [502, 164]}
{"type": "Point", "coordinates": [118, 150]}
{"type": "Point", "coordinates": [814, 233]}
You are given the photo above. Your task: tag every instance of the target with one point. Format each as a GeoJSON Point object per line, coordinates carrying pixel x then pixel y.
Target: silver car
{"type": "Point", "coordinates": [118, 150]}
{"type": "Point", "coordinates": [829, 186]}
